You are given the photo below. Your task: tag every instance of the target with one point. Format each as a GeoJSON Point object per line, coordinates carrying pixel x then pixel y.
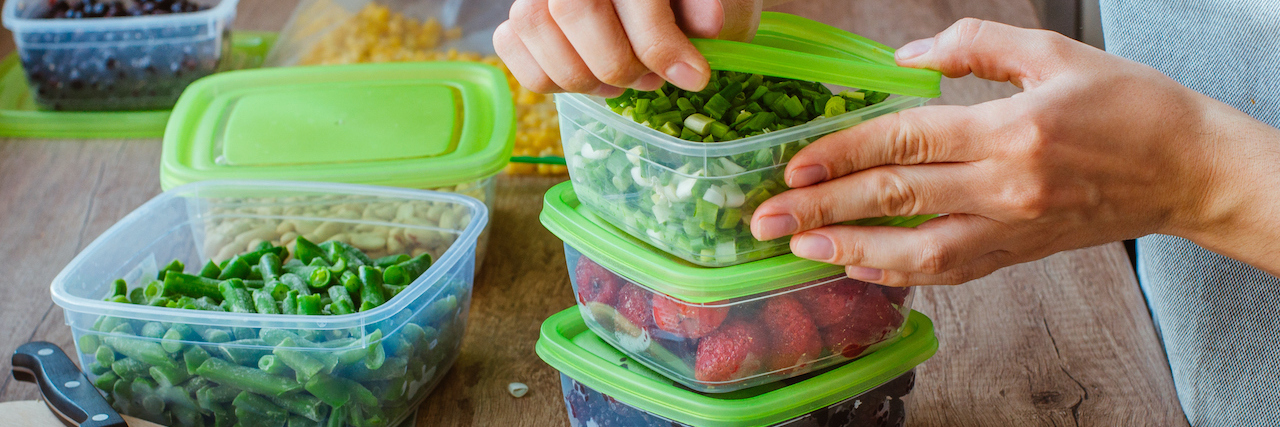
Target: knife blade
{"type": "Point", "coordinates": [70, 397]}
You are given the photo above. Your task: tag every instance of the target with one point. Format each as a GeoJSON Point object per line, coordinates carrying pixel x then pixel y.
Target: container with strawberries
{"type": "Point", "coordinates": [722, 329]}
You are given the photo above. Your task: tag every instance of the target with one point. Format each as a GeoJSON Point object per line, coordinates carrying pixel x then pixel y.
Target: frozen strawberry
{"type": "Point", "coordinates": [794, 339]}
{"type": "Point", "coordinates": [736, 350]}
{"type": "Point", "coordinates": [596, 283]}
{"type": "Point", "coordinates": [633, 304]}
{"type": "Point", "coordinates": [897, 296]}
{"type": "Point", "coordinates": [874, 320]}
{"type": "Point", "coordinates": [832, 303]}
{"type": "Point", "coordinates": [686, 320]}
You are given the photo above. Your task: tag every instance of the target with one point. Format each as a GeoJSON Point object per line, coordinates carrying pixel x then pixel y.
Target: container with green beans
{"type": "Point", "coordinates": [296, 332]}
{"type": "Point", "coordinates": [684, 171]}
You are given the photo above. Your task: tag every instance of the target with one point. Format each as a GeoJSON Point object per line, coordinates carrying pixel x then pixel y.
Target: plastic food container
{"type": "Point", "coordinates": [603, 387]}
{"type": "Point", "coordinates": [444, 126]}
{"type": "Point", "coordinates": [721, 329]}
{"type": "Point", "coordinates": [694, 199]}
{"type": "Point", "coordinates": [387, 359]}
{"type": "Point", "coordinates": [124, 63]}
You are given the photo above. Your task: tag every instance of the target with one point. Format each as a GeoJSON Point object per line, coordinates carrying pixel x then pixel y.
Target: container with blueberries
{"type": "Point", "coordinates": [95, 55]}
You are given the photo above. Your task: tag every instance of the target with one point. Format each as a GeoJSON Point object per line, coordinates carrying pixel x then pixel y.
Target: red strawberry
{"type": "Point", "coordinates": [596, 283]}
{"type": "Point", "coordinates": [897, 296]}
{"type": "Point", "coordinates": [832, 303]}
{"type": "Point", "coordinates": [870, 323]}
{"type": "Point", "coordinates": [633, 304]}
{"type": "Point", "coordinates": [684, 319]}
{"type": "Point", "coordinates": [793, 336]}
{"type": "Point", "coordinates": [736, 350]}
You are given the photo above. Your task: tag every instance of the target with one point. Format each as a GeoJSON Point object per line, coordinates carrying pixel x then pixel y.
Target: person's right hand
{"type": "Point", "coordinates": [601, 46]}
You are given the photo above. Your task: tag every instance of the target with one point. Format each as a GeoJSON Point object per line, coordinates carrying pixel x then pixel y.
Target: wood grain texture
{"type": "Point", "coordinates": [1063, 341]}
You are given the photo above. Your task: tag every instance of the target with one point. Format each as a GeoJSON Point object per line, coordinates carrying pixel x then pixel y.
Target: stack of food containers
{"type": "Point", "coordinates": [665, 270]}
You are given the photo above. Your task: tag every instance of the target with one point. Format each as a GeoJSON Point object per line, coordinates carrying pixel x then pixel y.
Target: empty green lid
{"type": "Point", "coordinates": [566, 344]}
{"type": "Point", "coordinates": [416, 125]}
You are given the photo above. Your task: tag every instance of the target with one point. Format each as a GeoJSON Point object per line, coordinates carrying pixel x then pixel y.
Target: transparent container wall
{"type": "Point", "coordinates": [195, 367]}
{"type": "Point", "coordinates": [124, 63]}
{"type": "Point", "coordinates": [484, 191]}
{"type": "Point", "coordinates": [883, 406]}
{"type": "Point", "coordinates": [691, 199]}
{"type": "Point", "coordinates": [810, 326]}
{"type": "Point", "coordinates": [314, 33]}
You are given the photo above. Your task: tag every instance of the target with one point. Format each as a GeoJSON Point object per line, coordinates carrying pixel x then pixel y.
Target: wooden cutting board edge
{"type": "Point", "coordinates": [33, 413]}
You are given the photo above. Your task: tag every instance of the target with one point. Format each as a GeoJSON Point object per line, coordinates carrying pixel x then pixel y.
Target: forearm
{"type": "Point", "coordinates": [1238, 212]}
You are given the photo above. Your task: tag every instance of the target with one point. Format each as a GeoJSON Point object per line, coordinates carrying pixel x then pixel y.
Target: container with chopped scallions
{"type": "Point", "coordinates": [684, 170]}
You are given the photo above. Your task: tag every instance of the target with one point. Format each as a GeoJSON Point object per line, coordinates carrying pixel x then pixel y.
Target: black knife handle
{"type": "Point", "coordinates": [66, 390]}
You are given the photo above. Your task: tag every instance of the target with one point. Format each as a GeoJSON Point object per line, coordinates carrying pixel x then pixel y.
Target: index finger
{"type": "Point", "coordinates": [933, 134]}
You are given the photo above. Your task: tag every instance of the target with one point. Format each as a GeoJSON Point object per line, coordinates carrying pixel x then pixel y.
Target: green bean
{"type": "Point", "coordinates": [106, 381]}
{"type": "Point", "coordinates": [176, 283]}
{"type": "Point", "coordinates": [237, 268]}
{"type": "Point", "coordinates": [136, 296]}
{"type": "Point", "coordinates": [145, 351]}
{"type": "Point", "coordinates": [270, 365]}
{"type": "Point", "coordinates": [244, 351]}
{"type": "Point", "coordinates": [293, 281]}
{"type": "Point", "coordinates": [105, 355]}
{"type": "Point", "coordinates": [98, 368]}
{"type": "Point", "coordinates": [307, 406]}
{"type": "Point", "coordinates": [210, 270]}
{"type": "Point", "coordinates": [341, 301]}
{"type": "Point", "coordinates": [264, 302]}
{"type": "Point", "coordinates": [306, 251]}
{"type": "Point", "coordinates": [249, 405]}
{"type": "Point", "coordinates": [175, 266]}
{"type": "Point", "coordinates": [290, 303]}
{"type": "Point", "coordinates": [196, 383]}
{"type": "Point", "coordinates": [237, 295]}
{"type": "Point", "coordinates": [119, 288]}
{"type": "Point", "coordinates": [394, 367]}
{"type": "Point", "coordinates": [206, 303]}
{"type": "Point", "coordinates": [215, 397]}
{"type": "Point", "coordinates": [153, 330]}
{"type": "Point", "coordinates": [169, 376]}
{"type": "Point", "coordinates": [337, 391]}
{"type": "Point", "coordinates": [216, 336]}
{"type": "Point", "coordinates": [309, 304]}
{"type": "Point", "coordinates": [301, 362]}
{"type": "Point", "coordinates": [370, 288]}
{"type": "Point", "coordinates": [129, 368]}
{"type": "Point", "coordinates": [390, 260]}
{"type": "Point", "coordinates": [350, 281]}
{"type": "Point", "coordinates": [337, 417]}
{"type": "Point", "coordinates": [408, 271]}
{"type": "Point", "coordinates": [270, 266]}
{"type": "Point", "coordinates": [193, 357]}
{"type": "Point", "coordinates": [301, 421]}
{"type": "Point", "coordinates": [277, 289]}
{"type": "Point", "coordinates": [162, 302]}
{"type": "Point", "coordinates": [248, 379]}
{"type": "Point", "coordinates": [339, 250]}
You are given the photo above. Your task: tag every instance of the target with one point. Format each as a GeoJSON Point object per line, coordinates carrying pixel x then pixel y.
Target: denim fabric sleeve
{"type": "Point", "coordinates": [1219, 319]}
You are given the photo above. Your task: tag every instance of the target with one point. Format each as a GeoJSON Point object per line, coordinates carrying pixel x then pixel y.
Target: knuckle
{"type": "Point", "coordinates": [894, 196]}
{"type": "Point", "coordinates": [935, 258]}
{"type": "Point", "coordinates": [617, 73]}
{"type": "Point", "coordinates": [911, 143]}
{"type": "Point", "coordinates": [577, 79]}
{"type": "Point", "coordinates": [657, 52]}
{"type": "Point", "coordinates": [849, 251]}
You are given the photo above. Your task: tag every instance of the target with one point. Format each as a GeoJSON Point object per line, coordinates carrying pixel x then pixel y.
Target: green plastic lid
{"type": "Point", "coordinates": [19, 116]}
{"type": "Point", "coordinates": [799, 48]}
{"type": "Point", "coordinates": [416, 125]}
{"type": "Point", "coordinates": [627, 256]}
{"type": "Point", "coordinates": [567, 345]}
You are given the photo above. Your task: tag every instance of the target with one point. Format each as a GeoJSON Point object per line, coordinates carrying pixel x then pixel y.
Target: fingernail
{"type": "Point", "coordinates": [813, 246]}
{"type": "Point", "coordinates": [864, 274]}
{"type": "Point", "coordinates": [648, 82]}
{"type": "Point", "coordinates": [775, 226]}
{"type": "Point", "coordinates": [914, 49]}
{"type": "Point", "coordinates": [607, 91]}
{"type": "Point", "coordinates": [807, 175]}
{"type": "Point", "coordinates": [684, 75]}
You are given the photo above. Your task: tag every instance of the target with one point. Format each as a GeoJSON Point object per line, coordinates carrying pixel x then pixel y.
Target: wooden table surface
{"type": "Point", "coordinates": [1063, 341]}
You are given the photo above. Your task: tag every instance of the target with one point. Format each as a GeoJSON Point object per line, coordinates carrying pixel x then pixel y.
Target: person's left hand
{"type": "Point", "coordinates": [1095, 149]}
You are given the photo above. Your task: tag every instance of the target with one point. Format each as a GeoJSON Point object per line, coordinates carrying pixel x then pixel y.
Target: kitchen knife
{"type": "Point", "coordinates": [70, 395]}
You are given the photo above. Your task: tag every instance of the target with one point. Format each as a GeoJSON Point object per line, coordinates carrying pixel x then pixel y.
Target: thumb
{"type": "Point", "coordinates": [718, 19]}
{"type": "Point", "coordinates": [989, 50]}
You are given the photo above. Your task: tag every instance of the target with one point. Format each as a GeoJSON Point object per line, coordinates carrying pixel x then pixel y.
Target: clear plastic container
{"type": "Point", "coordinates": [122, 63]}
{"type": "Point", "coordinates": [375, 365]}
{"type": "Point", "coordinates": [602, 387]}
{"type": "Point", "coordinates": [719, 329]}
{"type": "Point", "coordinates": [691, 199]}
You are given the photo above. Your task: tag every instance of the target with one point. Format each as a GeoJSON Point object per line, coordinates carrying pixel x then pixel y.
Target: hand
{"type": "Point", "coordinates": [1095, 149]}
{"type": "Point", "coordinates": [602, 46]}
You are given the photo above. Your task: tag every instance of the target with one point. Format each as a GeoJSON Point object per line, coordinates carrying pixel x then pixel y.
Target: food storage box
{"type": "Point", "coordinates": [117, 63]}
{"type": "Point", "coordinates": [370, 368]}
{"type": "Point", "coordinates": [603, 387]}
{"type": "Point", "coordinates": [718, 329]}
{"type": "Point", "coordinates": [691, 199]}
{"type": "Point", "coordinates": [363, 31]}
{"type": "Point", "coordinates": [444, 126]}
